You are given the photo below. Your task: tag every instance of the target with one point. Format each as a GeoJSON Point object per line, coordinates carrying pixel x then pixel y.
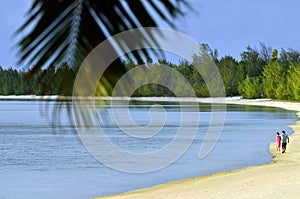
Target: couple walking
{"type": "Point", "coordinates": [281, 140]}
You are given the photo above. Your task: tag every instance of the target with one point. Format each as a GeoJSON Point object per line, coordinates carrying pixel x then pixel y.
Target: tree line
{"type": "Point", "coordinates": [52, 81]}
{"type": "Point", "coordinates": [261, 73]}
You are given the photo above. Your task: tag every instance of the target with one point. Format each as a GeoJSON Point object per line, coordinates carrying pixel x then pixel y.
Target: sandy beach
{"type": "Point", "coordinates": [278, 179]}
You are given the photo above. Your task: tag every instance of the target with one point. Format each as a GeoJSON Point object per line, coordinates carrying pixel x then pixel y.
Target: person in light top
{"type": "Point", "coordinates": [284, 139]}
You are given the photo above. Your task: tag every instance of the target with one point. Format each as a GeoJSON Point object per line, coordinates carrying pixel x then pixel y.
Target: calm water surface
{"type": "Point", "coordinates": [39, 160]}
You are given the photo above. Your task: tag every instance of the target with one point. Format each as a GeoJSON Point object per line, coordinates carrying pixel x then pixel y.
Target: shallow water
{"type": "Point", "coordinates": [39, 160]}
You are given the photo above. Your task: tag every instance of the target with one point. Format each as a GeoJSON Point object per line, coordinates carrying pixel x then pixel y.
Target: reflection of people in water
{"type": "Point", "coordinates": [285, 139]}
{"type": "Point", "coordinates": [278, 142]}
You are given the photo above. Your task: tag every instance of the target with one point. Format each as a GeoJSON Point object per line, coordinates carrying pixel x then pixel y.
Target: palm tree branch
{"type": "Point", "coordinates": [70, 29]}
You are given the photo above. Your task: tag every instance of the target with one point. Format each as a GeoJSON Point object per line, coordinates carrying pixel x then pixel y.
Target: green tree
{"type": "Point", "coordinates": [274, 73]}
{"type": "Point", "coordinates": [212, 53]}
{"type": "Point", "coordinates": [251, 87]}
{"type": "Point", "coordinates": [274, 55]}
{"type": "Point", "coordinates": [64, 78]}
{"type": "Point", "coordinates": [186, 70]}
{"type": "Point", "coordinates": [293, 82]}
{"type": "Point", "coordinates": [10, 81]}
{"type": "Point", "coordinates": [232, 74]}
{"type": "Point", "coordinates": [252, 62]}
{"type": "Point", "coordinates": [290, 55]}
{"type": "Point", "coordinates": [265, 52]}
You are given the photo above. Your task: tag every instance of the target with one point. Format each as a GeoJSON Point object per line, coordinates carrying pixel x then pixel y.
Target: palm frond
{"type": "Point", "coordinates": [67, 30]}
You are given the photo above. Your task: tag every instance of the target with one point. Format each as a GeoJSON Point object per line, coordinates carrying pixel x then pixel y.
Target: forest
{"type": "Point", "coordinates": [260, 73]}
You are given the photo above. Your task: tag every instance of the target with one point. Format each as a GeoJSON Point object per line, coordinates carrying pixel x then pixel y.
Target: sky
{"type": "Point", "coordinates": [226, 25]}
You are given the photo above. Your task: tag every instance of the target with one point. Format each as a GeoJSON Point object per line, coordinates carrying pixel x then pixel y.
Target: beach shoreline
{"type": "Point", "coordinates": [277, 179]}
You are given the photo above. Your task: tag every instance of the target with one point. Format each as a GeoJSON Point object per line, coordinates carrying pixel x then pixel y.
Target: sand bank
{"type": "Point", "coordinates": [279, 179]}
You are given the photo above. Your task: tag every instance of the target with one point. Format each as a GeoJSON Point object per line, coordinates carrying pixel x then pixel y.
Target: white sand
{"type": "Point", "coordinates": [279, 179]}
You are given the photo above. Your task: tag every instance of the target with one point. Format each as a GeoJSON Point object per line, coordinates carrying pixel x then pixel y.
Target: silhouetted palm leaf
{"type": "Point", "coordinates": [67, 30]}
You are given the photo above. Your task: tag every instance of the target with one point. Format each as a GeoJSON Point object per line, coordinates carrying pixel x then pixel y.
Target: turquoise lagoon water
{"type": "Point", "coordinates": [42, 160]}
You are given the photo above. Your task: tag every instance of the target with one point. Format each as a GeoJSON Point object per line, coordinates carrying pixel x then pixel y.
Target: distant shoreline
{"type": "Point", "coordinates": [109, 98]}
{"type": "Point", "coordinates": [33, 97]}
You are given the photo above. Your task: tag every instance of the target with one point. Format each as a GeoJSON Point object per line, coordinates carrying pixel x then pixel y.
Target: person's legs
{"type": "Point", "coordinates": [283, 147]}
{"type": "Point", "coordinates": [277, 147]}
